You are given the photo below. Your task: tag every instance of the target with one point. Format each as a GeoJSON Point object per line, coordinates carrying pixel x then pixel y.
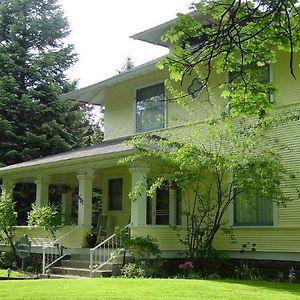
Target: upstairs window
{"type": "Point", "coordinates": [150, 108]}
{"type": "Point", "coordinates": [254, 210]}
{"type": "Point", "coordinates": [261, 73]}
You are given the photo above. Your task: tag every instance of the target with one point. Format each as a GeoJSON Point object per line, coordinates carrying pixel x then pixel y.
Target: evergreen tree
{"type": "Point", "coordinates": [127, 65]}
{"type": "Point", "coordinates": [33, 61]}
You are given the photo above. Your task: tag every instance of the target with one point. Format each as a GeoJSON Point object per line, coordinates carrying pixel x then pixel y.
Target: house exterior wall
{"type": "Point", "coordinates": [117, 218]}
{"type": "Point", "coordinates": [119, 117]}
{"type": "Point", "coordinates": [283, 235]}
{"type": "Point", "coordinates": [68, 236]}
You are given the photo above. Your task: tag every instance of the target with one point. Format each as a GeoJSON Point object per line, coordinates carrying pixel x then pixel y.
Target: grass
{"type": "Point", "coordinates": [143, 289]}
{"type": "Point", "coordinates": [13, 274]}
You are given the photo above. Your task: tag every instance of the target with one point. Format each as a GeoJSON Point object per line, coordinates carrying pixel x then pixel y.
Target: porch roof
{"type": "Point", "coordinates": [106, 148]}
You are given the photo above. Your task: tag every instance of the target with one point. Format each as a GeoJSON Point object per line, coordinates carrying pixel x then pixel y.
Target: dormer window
{"type": "Point", "coordinates": [150, 108]}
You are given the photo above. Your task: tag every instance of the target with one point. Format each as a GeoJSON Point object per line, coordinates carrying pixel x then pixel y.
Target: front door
{"type": "Point", "coordinates": [164, 208]}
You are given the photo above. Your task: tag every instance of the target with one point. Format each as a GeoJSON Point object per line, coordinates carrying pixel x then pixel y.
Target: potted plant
{"type": "Point", "coordinates": [91, 239]}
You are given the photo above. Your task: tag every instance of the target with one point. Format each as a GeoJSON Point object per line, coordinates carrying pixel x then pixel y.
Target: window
{"type": "Point", "coordinates": [162, 206]}
{"type": "Point", "coordinates": [115, 193]}
{"type": "Point", "coordinates": [165, 208]}
{"type": "Point", "coordinates": [178, 207]}
{"type": "Point", "coordinates": [150, 108]}
{"type": "Point", "coordinates": [254, 210]}
{"type": "Point", "coordinates": [262, 73]}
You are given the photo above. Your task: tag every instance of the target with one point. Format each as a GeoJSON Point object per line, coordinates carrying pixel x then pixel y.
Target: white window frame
{"type": "Point", "coordinates": [231, 217]}
{"type": "Point", "coordinates": [135, 105]}
{"type": "Point", "coordinates": [172, 208]}
{"type": "Point", "coordinates": [271, 79]}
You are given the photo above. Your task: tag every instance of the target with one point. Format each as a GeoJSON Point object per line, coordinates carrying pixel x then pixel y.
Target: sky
{"type": "Point", "coordinates": [101, 30]}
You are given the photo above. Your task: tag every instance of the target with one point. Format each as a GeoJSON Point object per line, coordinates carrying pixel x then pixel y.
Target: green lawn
{"type": "Point", "coordinates": [118, 288]}
{"type": "Point", "coordinates": [3, 273]}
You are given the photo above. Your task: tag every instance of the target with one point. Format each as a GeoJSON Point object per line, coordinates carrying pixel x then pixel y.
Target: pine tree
{"type": "Point", "coordinates": [33, 61]}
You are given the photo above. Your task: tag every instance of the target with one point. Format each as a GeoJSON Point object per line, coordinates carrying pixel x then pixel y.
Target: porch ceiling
{"type": "Point", "coordinates": [106, 152]}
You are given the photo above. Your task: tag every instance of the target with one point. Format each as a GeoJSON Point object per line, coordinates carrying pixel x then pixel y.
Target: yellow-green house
{"type": "Point", "coordinates": [127, 113]}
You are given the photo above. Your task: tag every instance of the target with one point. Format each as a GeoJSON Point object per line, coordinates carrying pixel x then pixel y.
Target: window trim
{"type": "Point", "coordinates": [231, 217]}
{"type": "Point", "coordinates": [271, 79]}
{"type": "Point", "coordinates": [161, 81]}
{"type": "Point", "coordinates": [108, 194]}
{"type": "Point", "coordinates": [172, 209]}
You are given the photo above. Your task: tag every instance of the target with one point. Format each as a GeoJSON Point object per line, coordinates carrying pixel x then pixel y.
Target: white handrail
{"type": "Point", "coordinates": [111, 243]}
{"type": "Point", "coordinates": [51, 246]}
{"type": "Point", "coordinates": [64, 235]}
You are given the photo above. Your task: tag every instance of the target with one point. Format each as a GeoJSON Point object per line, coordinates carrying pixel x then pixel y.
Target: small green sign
{"type": "Point", "coordinates": [23, 247]}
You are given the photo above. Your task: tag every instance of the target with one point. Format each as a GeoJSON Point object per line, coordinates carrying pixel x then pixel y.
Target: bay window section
{"type": "Point", "coordinates": [150, 108]}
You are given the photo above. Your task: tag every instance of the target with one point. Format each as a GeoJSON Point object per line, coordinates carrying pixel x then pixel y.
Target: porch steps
{"type": "Point", "coordinates": [65, 276]}
{"type": "Point", "coordinates": [78, 267]}
{"type": "Point", "coordinates": [68, 272]}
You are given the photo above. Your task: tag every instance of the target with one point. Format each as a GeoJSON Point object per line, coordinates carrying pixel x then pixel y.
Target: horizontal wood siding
{"type": "Point", "coordinates": [37, 235]}
{"type": "Point", "coordinates": [117, 218]}
{"type": "Point", "coordinates": [119, 118]}
{"type": "Point", "coordinates": [288, 87]}
{"type": "Point", "coordinates": [266, 239]}
{"type": "Point", "coordinates": [166, 237]}
{"type": "Point", "coordinates": [289, 135]}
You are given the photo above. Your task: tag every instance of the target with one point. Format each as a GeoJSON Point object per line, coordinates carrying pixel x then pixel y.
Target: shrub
{"type": "Point", "coordinates": [213, 276]}
{"type": "Point", "coordinates": [6, 260]}
{"type": "Point", "coordinates": [47, 217]}
{"type": "Point", "coordinates": [140, 248]}
{"type": "Point", "coordinates": [145, 253]}
{"type": "Point", "coordinates": [133, 270]}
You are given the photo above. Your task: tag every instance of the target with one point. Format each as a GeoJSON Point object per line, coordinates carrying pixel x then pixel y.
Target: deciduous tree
{"type": "Point", "coordinates": [240, 37]}
{"type": "Point", "coordinates": [213, 163]}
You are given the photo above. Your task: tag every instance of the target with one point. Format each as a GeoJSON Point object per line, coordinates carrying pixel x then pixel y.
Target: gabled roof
{"type": "Point", "coordinates": [95, 93]}
{"type": "Point", "coordinates": [105, 148]}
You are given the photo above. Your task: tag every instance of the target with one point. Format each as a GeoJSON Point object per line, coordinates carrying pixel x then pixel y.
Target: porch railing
{"type": "Point", "coordinates": [54, 252]}
{"type": "Point", "coordinates": [103, 253]}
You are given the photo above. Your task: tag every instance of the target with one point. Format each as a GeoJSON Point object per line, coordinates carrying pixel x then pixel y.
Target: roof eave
{"type": "Point", "coordinates": [95, 93]}
{"type": "Point", "coordinates": [154, 34]}
{"type": "Point", "coordinates": [18, 171]}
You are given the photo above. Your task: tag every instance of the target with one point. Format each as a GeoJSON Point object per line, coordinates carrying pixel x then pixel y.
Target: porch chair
{"type": "Point", "coordinates": [102, 226]}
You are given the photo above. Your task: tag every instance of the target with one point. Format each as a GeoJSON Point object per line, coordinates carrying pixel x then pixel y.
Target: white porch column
{"type": "Point", "coordinates": [139, 204]}
{"type": "Point", "coordinates": [66, 207]}
{"type": "Point", "coordinates": [85, 197]}
{"type": "Point", "coordinates": [42, 191]}
{"type": "Point", "coordinates": [7, 187]}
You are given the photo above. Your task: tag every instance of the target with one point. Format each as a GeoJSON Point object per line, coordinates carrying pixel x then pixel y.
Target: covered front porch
{"type": "Point", "coordinates": [90, 188]}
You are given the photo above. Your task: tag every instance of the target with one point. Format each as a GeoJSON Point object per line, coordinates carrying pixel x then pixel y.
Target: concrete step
{"type": "Point", "coordinates": [79, 272]}
{"type": "Point", "coordinates": [81, 264]}
{"type": "Point", "coordinates": [65, 276]}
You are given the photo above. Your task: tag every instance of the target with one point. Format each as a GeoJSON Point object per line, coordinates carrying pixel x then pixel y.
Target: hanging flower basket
{"type": "Point", "coordinates": [63, 189]}
{"type": "Point", "coordinates": [24, 194]}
